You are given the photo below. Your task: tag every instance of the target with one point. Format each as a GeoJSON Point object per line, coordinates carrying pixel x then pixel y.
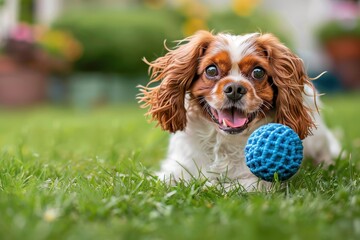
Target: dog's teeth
{"type": "Point", "coordinates": [224, 123]}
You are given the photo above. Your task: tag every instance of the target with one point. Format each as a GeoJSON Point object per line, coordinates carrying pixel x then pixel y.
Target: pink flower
{"type": "Point", "coordinates": [22, 33]}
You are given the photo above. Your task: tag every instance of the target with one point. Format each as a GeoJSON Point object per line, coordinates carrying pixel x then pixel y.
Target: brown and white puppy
{"type": "Point", "coordinates": [215, 90]}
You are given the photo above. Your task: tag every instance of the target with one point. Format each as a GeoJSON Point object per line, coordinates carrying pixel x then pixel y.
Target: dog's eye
{"type": "Point", "coordinates": [258, 73]}
{"type": "Point", "coordinates": [211, 71]}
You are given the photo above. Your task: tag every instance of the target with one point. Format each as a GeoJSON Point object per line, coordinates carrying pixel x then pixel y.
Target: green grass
{"type": "Point", "coordinates": [73, 175]}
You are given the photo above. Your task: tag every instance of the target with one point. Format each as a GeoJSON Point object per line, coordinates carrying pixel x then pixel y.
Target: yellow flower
{"type": "Point", "coordinates": [192, 25]}
{"type": "Point", "coordinates": [59, 43]}
{"type": "Point", "coordinates": [244, 7]}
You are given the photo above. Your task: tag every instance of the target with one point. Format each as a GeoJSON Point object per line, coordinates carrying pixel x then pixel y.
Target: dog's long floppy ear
{"type": "Point", "coordinates": [289, 77]}
{"type": "Point", "coordinates": [175, 71]}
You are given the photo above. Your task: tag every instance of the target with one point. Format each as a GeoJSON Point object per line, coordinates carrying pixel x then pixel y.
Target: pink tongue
{"type": "Point", "coordinates": [232, 118]}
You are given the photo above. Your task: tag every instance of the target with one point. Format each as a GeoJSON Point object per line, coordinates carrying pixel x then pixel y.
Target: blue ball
{"type": "Point", "coordinates": [274, 148]}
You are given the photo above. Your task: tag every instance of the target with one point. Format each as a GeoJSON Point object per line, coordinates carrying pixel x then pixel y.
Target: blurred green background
{"type": "Point", "coordinates": [86, 54]}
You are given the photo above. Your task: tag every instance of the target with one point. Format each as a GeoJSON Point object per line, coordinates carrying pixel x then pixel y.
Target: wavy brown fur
{"type": "Point", "coordinates": [290, 78]}
{"type": "Point", "coordinates": [175, 71]}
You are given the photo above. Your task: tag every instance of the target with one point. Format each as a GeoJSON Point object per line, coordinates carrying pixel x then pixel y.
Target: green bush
{"type": "Point", "coordinates": [335, 29]}
{"type": "Point", "coordinates": [116, 40]}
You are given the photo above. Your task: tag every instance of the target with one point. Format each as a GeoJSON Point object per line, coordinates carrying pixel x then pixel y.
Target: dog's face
{"type": "Point", "coordinates": [233, 86]}
{"type": "Point", "coordinates": [232, 81]}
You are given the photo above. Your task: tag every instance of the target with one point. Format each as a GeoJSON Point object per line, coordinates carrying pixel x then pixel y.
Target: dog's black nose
{"type": "Point", "coordinates": [234, 91]}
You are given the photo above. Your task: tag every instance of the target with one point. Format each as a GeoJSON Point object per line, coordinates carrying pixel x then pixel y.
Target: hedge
{"type": "Point", "coordinates": [115, 41]}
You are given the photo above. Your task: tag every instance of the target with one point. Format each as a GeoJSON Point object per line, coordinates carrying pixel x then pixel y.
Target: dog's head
{"type": "Point", "coordinates": [233, 81]}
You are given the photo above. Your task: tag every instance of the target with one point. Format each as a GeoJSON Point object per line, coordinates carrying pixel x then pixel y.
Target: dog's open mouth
{"type": "Point", "coordinates": [231, 120]}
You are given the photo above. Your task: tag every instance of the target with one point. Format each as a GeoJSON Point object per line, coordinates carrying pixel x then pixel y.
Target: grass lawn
{"type": "Point", "coordinates": [71, 175]}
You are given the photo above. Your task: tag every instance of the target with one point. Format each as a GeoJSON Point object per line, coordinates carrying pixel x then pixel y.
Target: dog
{"type": "Point", "coordinates": [214, 90]}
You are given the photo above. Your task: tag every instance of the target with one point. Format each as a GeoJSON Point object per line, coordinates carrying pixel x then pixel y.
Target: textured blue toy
{"type": "Point", "coordinates": [274, 148]}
